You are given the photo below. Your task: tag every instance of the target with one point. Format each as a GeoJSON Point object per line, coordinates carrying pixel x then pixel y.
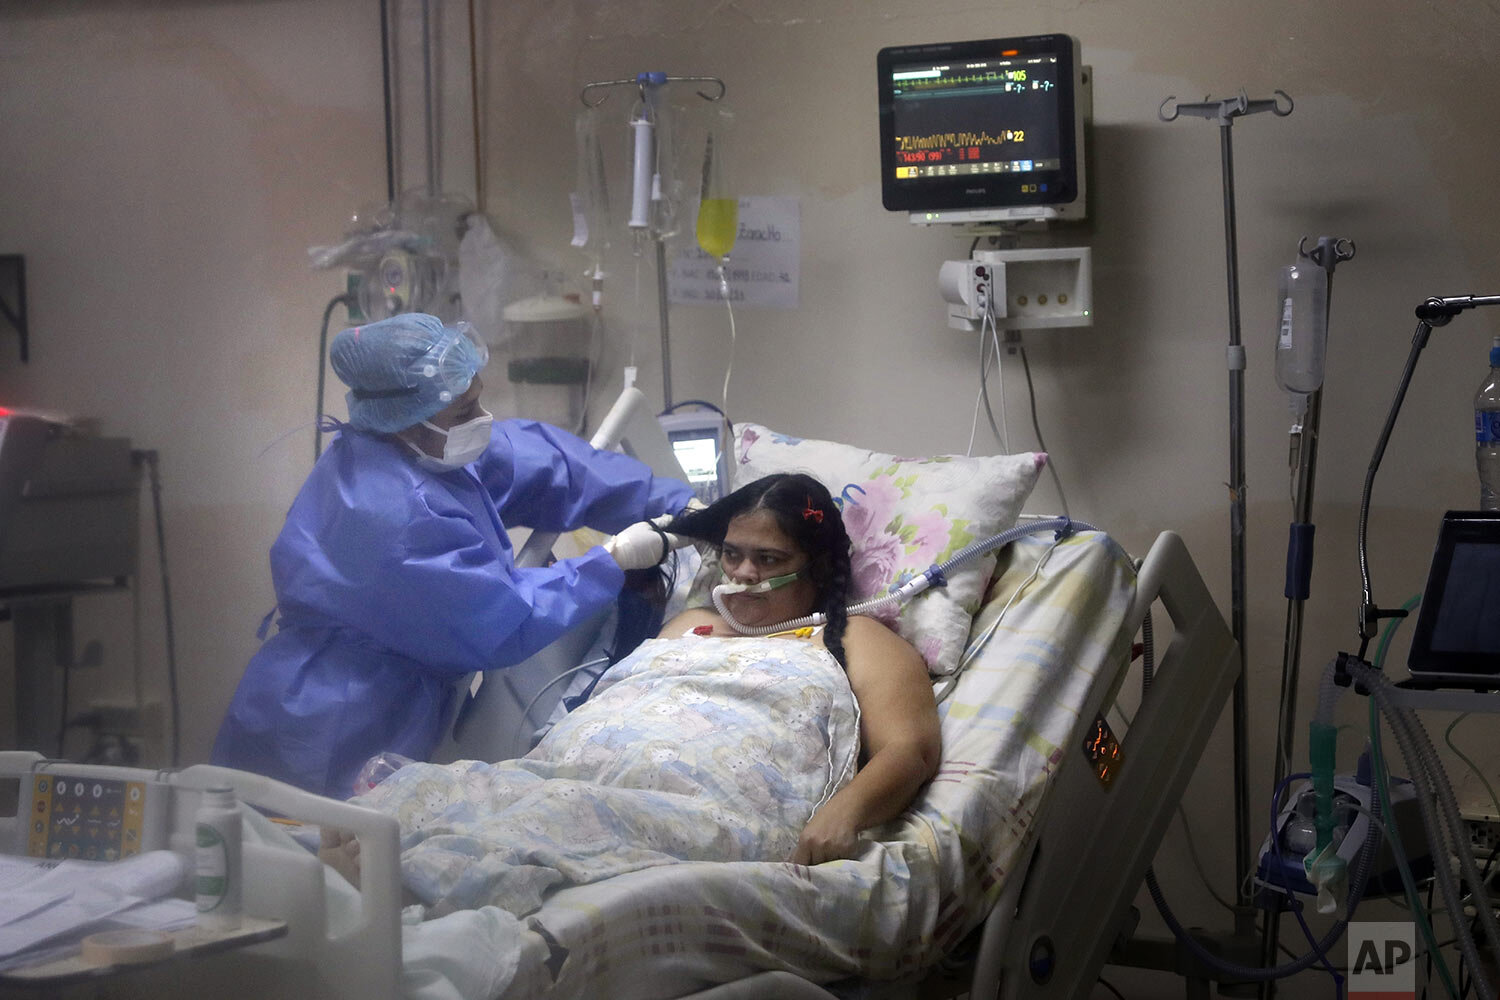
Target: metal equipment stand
{"type": "Point", "coordinates": [1328, 254]}
{"type": "Point", "coordinates": [1225, 112]}
{"type": "Point", "coordinates": [648, 85]}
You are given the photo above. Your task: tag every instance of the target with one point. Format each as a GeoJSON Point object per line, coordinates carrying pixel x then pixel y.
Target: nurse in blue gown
{"type": "Point", "coordinates": [394, 576]}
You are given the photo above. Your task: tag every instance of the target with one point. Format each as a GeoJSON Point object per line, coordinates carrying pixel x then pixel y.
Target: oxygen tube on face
{"type": "Point", "coordinates": [935, 576]}
{"type": "Point", "coordinates": [765, 586]}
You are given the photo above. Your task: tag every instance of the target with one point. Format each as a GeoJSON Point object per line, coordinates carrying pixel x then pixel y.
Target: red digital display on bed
{"type": "Point", "coordinates": [1103, 750]}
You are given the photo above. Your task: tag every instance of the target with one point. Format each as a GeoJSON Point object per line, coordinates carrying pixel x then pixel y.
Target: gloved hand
{"type": "Point", "coordinates": [640, 546]}
{"type": "Point", "coordinates": [665, 521]}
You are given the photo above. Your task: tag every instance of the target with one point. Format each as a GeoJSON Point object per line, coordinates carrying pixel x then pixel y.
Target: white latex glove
{"type": "Point", "coordinates": [639, 546]}
{"type": "Point", "coordinates": [674, 541]}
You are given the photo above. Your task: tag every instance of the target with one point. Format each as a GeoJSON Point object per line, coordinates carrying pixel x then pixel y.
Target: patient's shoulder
{"type": "Point", "coordinates": [865, 635]}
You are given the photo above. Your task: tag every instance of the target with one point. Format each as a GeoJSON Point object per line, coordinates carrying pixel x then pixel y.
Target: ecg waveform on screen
{"type": "Point", "coordinates": [944, 141]}
{"type": "Point", "coordinates": [963, 147]}
{"type": "Point", "coordinates": [995, 81]}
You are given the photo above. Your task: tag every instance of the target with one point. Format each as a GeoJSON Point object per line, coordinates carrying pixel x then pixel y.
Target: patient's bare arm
{"type": "Point", "coordinates": [900, 742]}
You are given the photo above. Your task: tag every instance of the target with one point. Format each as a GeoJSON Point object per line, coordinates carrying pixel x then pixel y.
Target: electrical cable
{"type": "Point", "coordinates": [166, 600]}
{"type": "Point", "coordinates": [474, 113]}
{"type": "Point", "coordinates": [1036, 426]}
{"type": "Point", "coordinates": [983, 365]}
{"type": "Point", "coordinates": [1198, 864]}
{"type": "Point", "coordinates": [385, 78]}
{"type": "Point", "coordinates": [1478, 772]}
{"type": "Point", "coordinates": [1107, 985]}
{"type": "Point", "coordinates": [1003, 437]}
{"type": "Point", "coordinates": [694, 402]}
{"type": "Point", "coordinates": [1427, 971]}
{"type": "Point", "coordinates": [1362, 864]}
{"type": "Point", "coordinates": [348, 301]}
{"type": "Point", "coordinates": [62, 722]}
{"type": "Point", "coordinates": [526, 712]}
{"type": "Point", "coordinates": [1002, 434]}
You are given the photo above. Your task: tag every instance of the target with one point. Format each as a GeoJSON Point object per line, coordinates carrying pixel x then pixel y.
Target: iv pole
{"type": "Point", "coordinates": [646, 187]}
{"type": "Point", "coordinates": [1225, 112]}
{"type": "Point", "coordinates": [1328, 254]}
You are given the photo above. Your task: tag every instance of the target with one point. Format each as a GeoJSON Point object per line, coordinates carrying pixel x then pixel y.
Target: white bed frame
{"type": "Point", "coordinates": [1052, 929]}
{"type": "Point", "coordinates": [1070, 903]}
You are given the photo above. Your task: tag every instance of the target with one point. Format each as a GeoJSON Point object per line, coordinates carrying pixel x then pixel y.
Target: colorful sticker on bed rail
{"type": "Point", "coordinates": [1103, 750]}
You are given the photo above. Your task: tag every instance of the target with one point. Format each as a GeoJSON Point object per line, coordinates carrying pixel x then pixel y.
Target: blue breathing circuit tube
{"type": "Point", "coordinates": [935, 576]}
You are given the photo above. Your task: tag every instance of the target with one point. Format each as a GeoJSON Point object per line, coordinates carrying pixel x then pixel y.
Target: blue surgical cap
{"type": "Point", "coordinates": [402, 370]}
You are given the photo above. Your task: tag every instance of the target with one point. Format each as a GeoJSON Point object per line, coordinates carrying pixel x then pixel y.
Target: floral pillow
{"type": "Point", "coordinates": [903, 515]}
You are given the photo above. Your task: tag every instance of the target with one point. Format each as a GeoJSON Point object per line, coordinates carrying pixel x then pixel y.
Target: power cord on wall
{"type": "Point", "coordinates": [150, 459]}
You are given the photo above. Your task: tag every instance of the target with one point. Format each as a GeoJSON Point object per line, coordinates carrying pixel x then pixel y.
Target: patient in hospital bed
{"type": "Point", "coordinates": [704, 744]}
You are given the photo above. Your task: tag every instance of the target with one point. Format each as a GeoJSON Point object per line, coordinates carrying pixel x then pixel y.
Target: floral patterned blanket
{"type": "Point", "coordinates": [692, 749]}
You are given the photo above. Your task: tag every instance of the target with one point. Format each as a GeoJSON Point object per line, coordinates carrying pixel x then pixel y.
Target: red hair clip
{"type": "Point", "coordinates": [812, 513]}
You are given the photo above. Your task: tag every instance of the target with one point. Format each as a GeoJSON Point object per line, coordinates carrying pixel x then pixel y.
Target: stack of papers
{"type": "Point", "coordinates": [47, 907]}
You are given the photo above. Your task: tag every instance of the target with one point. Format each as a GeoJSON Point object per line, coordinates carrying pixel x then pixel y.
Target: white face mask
{"type": "Point", "coordinates": [463, 443]}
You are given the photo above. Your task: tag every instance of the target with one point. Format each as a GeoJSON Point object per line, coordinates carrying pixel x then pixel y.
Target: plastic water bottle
{"type": "Point", "coordinates": [218, 884]}
{"type": "Point", "coordinates": [1487, 433]}
{"type": "Point", "coordinates": [1302, 335]}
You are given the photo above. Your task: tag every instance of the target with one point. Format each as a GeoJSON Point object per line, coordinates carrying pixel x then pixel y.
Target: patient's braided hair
{"type": "Point", "coordinates": [806, 513]}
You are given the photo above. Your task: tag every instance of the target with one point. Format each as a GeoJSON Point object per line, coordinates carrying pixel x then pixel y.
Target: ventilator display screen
{"type": "Point", "coordinates": [1457, 637]}
{"type": "Point", "coordinates": [698, 456]}
{"type": "Point", "coordinates": [981, 126]}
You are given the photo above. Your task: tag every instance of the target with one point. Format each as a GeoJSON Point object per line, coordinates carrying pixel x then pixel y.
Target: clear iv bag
{"type": "Point", "coordinates": [666, 190]}
{"type": "Point", "coordinates": [1302, 330]}
{"type": "Point", "coordinates": [591, 204]}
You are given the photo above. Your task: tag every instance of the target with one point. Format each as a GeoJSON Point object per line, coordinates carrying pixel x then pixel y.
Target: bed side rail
{"type": "Point", "coordinates": [1094, 842]}
{"type": "Point", "coordinates": [357, 958]}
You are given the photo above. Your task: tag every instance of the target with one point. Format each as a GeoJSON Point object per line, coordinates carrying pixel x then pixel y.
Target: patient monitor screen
{"type": "Point", "coordinates": [699, 458]}
{"type": "Point", "coordinates": [977, 125]}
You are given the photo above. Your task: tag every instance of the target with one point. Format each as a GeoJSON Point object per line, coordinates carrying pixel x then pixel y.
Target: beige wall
{"type": "Point", "coordinates": [167, 164]}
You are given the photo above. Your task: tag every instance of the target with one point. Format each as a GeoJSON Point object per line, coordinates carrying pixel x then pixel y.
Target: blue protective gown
{"type": "Point", "coordinates": [395, 583]}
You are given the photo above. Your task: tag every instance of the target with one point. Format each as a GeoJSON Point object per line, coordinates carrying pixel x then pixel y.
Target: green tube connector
{"type": "Point", "coordinates": [1322, 742]}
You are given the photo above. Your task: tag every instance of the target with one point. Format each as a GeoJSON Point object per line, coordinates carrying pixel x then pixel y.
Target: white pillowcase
{"type": "Point", "coordinates": [903, 515]}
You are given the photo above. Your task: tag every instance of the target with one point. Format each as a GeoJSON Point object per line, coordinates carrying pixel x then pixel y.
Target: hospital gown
{"type": "Point", "coordinates": [394, 584]}
{"type": "Point", "coordinates": [693, 749]}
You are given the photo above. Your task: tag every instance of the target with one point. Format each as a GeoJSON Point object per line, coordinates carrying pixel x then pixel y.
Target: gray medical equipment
{"type": "Point", "coordinates": [493, 721]}
{"type": "Point", "coordinates": [68, 526]}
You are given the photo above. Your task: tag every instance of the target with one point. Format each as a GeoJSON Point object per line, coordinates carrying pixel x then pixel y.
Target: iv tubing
{"type": "Point", "coordinates": [935, 576]}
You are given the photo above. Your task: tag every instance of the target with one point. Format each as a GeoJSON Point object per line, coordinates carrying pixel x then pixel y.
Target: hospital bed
{"type": "Point", "coordinates": [1010, 876]}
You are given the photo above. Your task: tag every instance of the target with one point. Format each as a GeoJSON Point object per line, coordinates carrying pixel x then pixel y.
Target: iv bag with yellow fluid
{"type": "Point", "coordinates": [718, 205]}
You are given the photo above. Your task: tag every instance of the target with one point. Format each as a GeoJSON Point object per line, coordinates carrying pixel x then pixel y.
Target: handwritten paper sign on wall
{"type": "Point", "coordinates": [763, 265]}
